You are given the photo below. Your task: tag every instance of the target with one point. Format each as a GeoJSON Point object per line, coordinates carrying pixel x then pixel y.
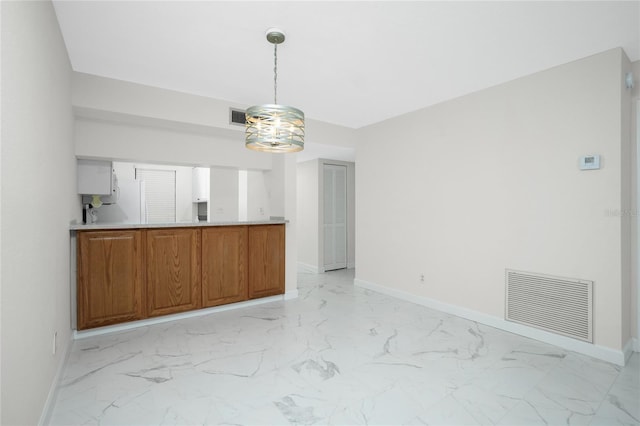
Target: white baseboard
{"type": "Point", "coordinates": [47, 409]}
{"type": "Point", "coordinates": [628, 349]}
{"type": "Point", "coordinates": [606, 354]}
{"type": "Point", "coordinates": [305, 267]}
{"type": "Point", "coordinates": [167, 318]}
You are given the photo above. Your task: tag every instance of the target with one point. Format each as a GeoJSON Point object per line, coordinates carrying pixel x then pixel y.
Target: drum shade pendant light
{"type": "Point", "coordinates": [273, 127]}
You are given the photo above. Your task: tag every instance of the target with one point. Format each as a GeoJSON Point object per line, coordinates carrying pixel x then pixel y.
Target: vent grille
{"type": "Point", "coordinates": [237, 117]}
{"type": "Point", "coordinates": [560, 305]}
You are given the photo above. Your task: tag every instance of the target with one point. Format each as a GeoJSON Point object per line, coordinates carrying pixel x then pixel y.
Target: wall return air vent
{"type": "Point", "coordinates": [237, 117]}
{"type": "Point", "coordinates": [559, 305]}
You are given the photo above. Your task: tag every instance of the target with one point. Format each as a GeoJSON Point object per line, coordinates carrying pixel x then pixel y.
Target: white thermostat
{"type": "Point", "coordinates": [590, 162]}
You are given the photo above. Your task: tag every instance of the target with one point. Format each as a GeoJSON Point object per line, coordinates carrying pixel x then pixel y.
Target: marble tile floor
{"type": "Point", "coordinates": [338, 355]}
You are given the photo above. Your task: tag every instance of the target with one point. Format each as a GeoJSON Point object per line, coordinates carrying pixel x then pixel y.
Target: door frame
{"type": "Point", "coordinates": [637, 215]}
{"type": "Point", "coordinates": [350, 211]}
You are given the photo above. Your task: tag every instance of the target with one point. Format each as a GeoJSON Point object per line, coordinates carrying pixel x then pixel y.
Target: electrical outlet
{"type": "Point", "coordinates": [55, 346]}
{"type": "Point", "coordinates": [421, 278]}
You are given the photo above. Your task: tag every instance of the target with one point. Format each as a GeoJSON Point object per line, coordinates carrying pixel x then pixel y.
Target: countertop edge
{"type": "Point", "coordinates": [108, 226]}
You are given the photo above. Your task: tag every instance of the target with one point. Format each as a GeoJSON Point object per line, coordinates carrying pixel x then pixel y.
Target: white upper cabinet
{"type": "Point", "coordinates": [95, 177]}
{"type": "Point", "coordinates": [200, 184]}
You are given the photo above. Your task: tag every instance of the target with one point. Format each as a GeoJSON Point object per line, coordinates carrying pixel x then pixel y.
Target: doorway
{"type": "Point", "coordinates": [335, 216]}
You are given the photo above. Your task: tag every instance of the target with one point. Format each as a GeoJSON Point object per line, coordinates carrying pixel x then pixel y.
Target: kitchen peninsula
{"type": "Point", "coordinates": [131, 272]}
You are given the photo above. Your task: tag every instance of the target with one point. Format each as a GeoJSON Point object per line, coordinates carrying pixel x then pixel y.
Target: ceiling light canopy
{"type": "Point", "coordinates": [273, 127]}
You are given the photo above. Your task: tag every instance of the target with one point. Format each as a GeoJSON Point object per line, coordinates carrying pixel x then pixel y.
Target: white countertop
{"type": "Point", "coordinates": [106, 226]}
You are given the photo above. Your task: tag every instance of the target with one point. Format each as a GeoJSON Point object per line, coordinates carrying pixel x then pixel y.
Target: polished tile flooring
{"type": "Point", "coordinates": [337, 355]}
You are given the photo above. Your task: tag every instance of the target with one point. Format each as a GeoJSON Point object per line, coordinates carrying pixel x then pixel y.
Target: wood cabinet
{"type": "Point", "coordinates": [110, 278]}
{"type": "Point", "coordinates": [266, 260]}
{"type": "Point", "coordinates": [127, 275]}
{"type": "Point", "coordinates": [224, 265]}
{"type": "Point", "coordinates": [173, 271]}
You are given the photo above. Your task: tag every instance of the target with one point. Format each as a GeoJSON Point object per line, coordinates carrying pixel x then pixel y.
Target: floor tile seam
{"type": "Point", "coordinates": [478, 422]}
{"type": "Point", "coordinates": [526, 394]}
{"type": "Point", "coordinates": [559, 367]}
{"type": "Point", "coordinates": [487, 370]}
{"type": "Point", "coordinates": [605, 397]}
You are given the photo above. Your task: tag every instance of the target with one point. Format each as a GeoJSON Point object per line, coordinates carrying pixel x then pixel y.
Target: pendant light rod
{"type": "Point", "coordinates": [275, 36]}
{"type": "Point", "coordinates": [275, 74]}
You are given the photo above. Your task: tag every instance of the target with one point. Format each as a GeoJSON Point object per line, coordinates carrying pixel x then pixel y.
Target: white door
{"type": "Point", "coordinates": [335, 217]}
{"type": "Point", "coordinates": [160, 194]}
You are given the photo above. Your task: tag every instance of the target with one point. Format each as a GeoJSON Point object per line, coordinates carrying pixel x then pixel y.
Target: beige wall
{"type": "Point", "coordinates": [490, 181]}
{"type": "Point", "coordinates": [38, 202]}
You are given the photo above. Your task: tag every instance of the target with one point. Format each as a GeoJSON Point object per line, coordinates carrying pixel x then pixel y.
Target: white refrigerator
{"type": "Point", "coordinates": [130, 206]}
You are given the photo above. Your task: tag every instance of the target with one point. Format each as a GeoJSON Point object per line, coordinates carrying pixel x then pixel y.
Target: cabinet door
{"type": "Point", "coordinates": [200, 184]}
{"type": "Point", "coordinates": [173, 271]}
{"type": "Point", "coordinates": [110, 278]}
{"type": "Point", "coordinates": [224, 265]}
{"type": "Point", "coordinates": [266, 260]}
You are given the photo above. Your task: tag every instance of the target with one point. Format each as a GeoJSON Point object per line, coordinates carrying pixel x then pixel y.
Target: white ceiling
{"type": "Point", "coordinates": [348, 63]}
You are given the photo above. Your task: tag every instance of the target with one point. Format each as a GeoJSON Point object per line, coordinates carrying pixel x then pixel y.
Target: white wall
{"type": "Point", "coordinates": [224, 195]}
{"type": "Point", "coordinates": [635, 293]}
{"type": "Point", "coordinates": [257, 196]}
{"type": "Point", "coordinates": [38, 203]}
{"type": "Point", "coordinates": [1, 133]}
{"type": "Point", "coordinates": [99, 94]}
{"type": "Point", "coordinates": [126, 121]}
{"type": "Point", "coordinates": [152, 143]}
{"type": "Point", "coordinates": [628, 165]}
{"type": "Point", "coordinates": [635, 134]}
{"type": "Point", "coordinates": [351, 215]}
{"type": "Point", "coordinates": [307, 206]}
{"type": "Point", "coordinates": [129, 121]}
{"type": "Point", "coordinates": [329, 134]}
{"type": "Point", "coordinates": [464, 189]}
{"type": "Point", "coordinates": [242, 195]}
{"type": "Point", "coordinates": [94, 93]}
{"type": "Point", "coordinates": [282, 181]}
{"type": "Point", "coordinates": [275, 181]}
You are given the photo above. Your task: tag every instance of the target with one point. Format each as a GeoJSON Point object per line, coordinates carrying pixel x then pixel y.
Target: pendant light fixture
{"type": "Point", "coordinates": [273, 127]}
